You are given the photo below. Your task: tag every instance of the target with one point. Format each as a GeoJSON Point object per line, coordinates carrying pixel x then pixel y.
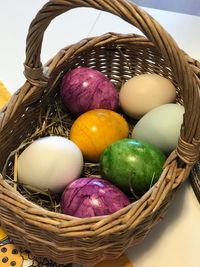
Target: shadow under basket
{"type": "Point", "coordinates": [59, 237]}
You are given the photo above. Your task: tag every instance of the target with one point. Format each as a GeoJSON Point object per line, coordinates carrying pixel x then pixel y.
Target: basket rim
{"type": "Point", "coordinates": [97, 225]}
{"type": "Point", "coordinates": [33, 206]}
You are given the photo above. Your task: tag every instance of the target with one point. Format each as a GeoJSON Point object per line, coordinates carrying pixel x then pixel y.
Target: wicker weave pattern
{"type": "Point", "coordinates": [195, 180]}
{"type": "Point", "coordinates": [87, 241]}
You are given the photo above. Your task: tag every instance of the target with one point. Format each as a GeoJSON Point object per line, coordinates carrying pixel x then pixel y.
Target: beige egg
{"type": "Point", "coordinates": [144, 92]}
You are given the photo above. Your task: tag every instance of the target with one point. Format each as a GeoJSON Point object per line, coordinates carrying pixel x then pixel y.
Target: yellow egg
{"type": "Point", "coordinates": [144, 92]}
{"type": "Point", "coordinates": [94, 130]}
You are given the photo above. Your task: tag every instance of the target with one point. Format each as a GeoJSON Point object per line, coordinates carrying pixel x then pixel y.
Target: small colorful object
{"type": "Point", "coordinates": [84, 89]}
{"type": "Point", "coordinates": [94, 130]}
{"type": "Point", "coordinates": [91, 196]}
{"type": "Point", "coordinates": [132, 165]}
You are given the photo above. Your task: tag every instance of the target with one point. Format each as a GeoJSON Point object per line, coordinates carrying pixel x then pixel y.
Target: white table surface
{"type": "Point", "coordinates": [174, 242]}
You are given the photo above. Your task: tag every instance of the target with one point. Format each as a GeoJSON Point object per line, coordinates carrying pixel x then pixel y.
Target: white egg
{"type": "Point", "coordinates": [161, 127]}
{"type": "Point", "coordinates": [144, 92]}
{"type": "Point", "coordinates": [50, 163]}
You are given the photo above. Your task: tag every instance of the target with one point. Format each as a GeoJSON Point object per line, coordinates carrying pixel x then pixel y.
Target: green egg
{"type": "Point", "coordinates": [132, 165]}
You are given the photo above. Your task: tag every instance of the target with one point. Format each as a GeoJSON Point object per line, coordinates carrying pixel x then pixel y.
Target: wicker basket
{"type": "Point", "coordinates": [62, 238]}
{"type": "Point", "coordinates": [195, 179]}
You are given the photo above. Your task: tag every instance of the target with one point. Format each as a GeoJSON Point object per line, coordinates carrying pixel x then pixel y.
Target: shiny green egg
{"type": "Point", "coordinates": [132, 165]}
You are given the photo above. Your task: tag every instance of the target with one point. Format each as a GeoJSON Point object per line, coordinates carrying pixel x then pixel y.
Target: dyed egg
{"type": "Point", "coordinates": [83, 89]}
{"type": "Point", "coordinates": [132, 165]}
{"type": "Point", "coordinates": [144, 92]}
{"type": "Point", "coordinates": [94, 130]}
{"type": "Point", "coordinates": [90, 196]}
{"type": "Point", "coordinates": [50, 163]}
{"type": "Point", "coordinates": [161, 127]}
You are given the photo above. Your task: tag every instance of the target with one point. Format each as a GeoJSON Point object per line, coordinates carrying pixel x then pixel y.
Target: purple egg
{"type": "Point", "coordinates": [91, 196]}
{"type": "Point", "coordinates": [83, 89]}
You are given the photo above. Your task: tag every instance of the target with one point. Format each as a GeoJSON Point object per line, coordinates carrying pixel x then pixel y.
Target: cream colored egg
{"type": "Point", "coordinates": [144, 92]}
{"type": "Point", "coordinates": [161, 127]}
{"type": "Point", "coordinates": [50, 163]}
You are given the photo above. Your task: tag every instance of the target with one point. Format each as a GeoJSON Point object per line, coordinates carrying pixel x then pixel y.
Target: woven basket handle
{"type": "Point", "coordinates": [122, 8]}
{"type": "Point", "coordinates": [128, 11]}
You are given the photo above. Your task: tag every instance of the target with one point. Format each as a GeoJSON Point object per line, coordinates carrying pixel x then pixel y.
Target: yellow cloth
{"type": "Point", "coordinates": [11, 256]}
{"type": "Point", "coordinates": [123, 261]}
{"type": "Point", "coordinates": [4, 95]}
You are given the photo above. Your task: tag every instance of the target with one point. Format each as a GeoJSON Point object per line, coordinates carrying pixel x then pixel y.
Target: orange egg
{"type": "Point", "coordinates": [94, 130]}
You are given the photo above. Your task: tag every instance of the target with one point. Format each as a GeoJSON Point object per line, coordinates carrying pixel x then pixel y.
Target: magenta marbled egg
{"type": "Point", "coordinates": [91, 196]}
{"type": "Point", "coordinates": [83, 89]}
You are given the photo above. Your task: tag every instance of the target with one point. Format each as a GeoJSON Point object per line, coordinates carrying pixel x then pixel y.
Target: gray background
{"type": "Point", "coordinates": [191, 7]}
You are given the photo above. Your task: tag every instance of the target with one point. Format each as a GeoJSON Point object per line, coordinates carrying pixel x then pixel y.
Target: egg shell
{"type": "Point", "coordinates": [161, 127]}
{"type": "Point", "coordinates": [91, 196]}
{"type": "Point", "coordinates": [84, 89]}
{"type": "Point", "coordinates": [50, 163]}
{"type": "Point", "coordinates": [144, 92]}
{"type": "Point", "coordinates": [132, 165]}
{"type": "Point", "coordinates": [94, 130]}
